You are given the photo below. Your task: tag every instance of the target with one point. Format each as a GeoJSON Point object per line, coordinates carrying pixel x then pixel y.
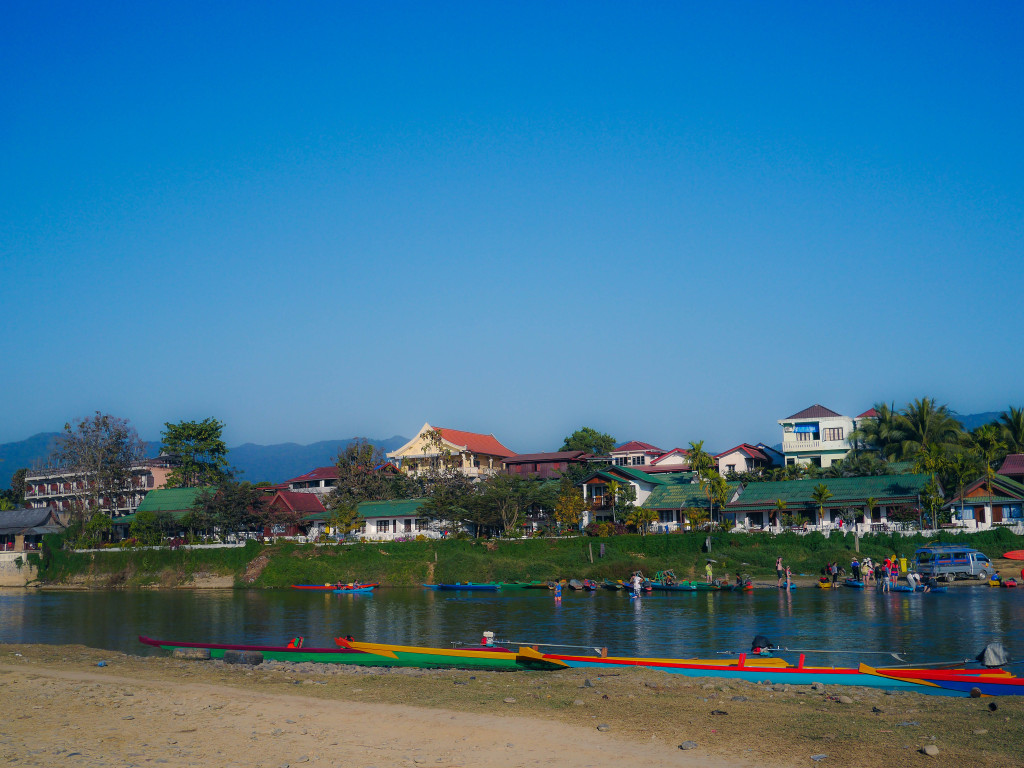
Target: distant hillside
{"type": "Point", "coordinates": [254, 463]}
{"type": "Point", "coordinates": [975, 420]}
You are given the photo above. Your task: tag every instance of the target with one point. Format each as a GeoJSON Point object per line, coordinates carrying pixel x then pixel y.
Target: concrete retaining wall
{"type": "Point", "coordinates": [13, 576]}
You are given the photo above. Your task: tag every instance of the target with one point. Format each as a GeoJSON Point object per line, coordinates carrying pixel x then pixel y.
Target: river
{"type": "Point", "coordinates": [855, 624]}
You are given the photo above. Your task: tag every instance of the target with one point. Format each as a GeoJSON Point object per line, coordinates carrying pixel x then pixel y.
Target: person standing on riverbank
{"type": "Point", "coordinates": [779, 571]}
{"type": "Point", "coordinates": [707, 572]}
{"type": "Point", "coordinates": [855, 568]}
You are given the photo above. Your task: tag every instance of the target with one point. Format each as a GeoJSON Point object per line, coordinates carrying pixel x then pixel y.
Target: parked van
{"type": "Point", "coordinates": [953, 561]}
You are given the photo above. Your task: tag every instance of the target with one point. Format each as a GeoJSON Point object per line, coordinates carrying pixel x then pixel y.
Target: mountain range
{"type": "Point", "coordinates": [250, 461]}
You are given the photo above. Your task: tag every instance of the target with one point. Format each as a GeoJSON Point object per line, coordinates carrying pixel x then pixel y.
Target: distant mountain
{"type": "Point", "coordinates": [975, 420]}
{"type": "Point", "coordinates": [252, 462]}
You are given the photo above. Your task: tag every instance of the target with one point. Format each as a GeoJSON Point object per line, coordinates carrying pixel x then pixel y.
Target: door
{"type": "Point", "coordinates": [979, 515]}
{"type": "Point", "coordinates": [997, 514]}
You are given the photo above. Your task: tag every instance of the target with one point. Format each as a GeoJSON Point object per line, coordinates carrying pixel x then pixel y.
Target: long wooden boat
{"type": "Point", "coordinates": [524, 585]}
{"type": "Point", "coordinates": [682, 586]}
{"type": "Point", "coordinates": [337, 586]}
{"type": "Point", "coordinates": [475, 586]}
{"type": "Point", "coordinates": [769, 669]}
{"type": "Point", "coordinates": [612, 585]}
{"type": "Point", "coordinates": [382, 655]}
{"type": "Point", "coordinates": [988, 682]}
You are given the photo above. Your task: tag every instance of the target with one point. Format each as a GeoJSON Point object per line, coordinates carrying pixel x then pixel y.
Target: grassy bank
{"type": "Point", "coordinates": [416, 562]}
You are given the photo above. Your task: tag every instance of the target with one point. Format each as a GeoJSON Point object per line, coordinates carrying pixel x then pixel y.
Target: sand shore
{"type": "Point", "coordinates": [62, 708]}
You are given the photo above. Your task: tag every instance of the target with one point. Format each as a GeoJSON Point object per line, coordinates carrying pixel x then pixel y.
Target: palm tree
{"type": "Point", "coordinates": [1013, 429]}
{"type": "Point", "coordinates": [989, 446]}
{"type": "Point", "coordinates": [932, 460]}
{"type": "Point", "coordinates": [820, 495]}
{"type": "Point", "coordinates": [780, 508]}
{"type": "Point", "coordinates": [870, 502]}
{"type": "Point", "coordinates": [924, 424]}
{"type": "Point", "coordinates": [641, 519]}
{"type": "Point", "coordinates": [882, 433]}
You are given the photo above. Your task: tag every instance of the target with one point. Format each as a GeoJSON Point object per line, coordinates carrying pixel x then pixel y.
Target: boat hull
{"type": "Point", "coordinates": [989, 682]}
{"type": "Point", "coordinates": [381, 655]}
{"type": "Point", "coordinates": [335, 587]}
{"type": "Point", "coordinates": [467, 587]}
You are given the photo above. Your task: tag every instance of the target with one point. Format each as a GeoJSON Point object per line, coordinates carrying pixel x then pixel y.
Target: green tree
{"type": "Point", "coordinates": [199, 450]}
{"type": "Point", "coordinates": [17, 492]}
{"type": "Point", "coordinates": [1012, 424]}
{"type": "Point", "coordinates": [231, 507]}
{"type": "Point", "coordinates": [146, 528]}
{"type": "Point", "coordinates": [98, 453]}
{"type": "Point", "coordinates": [362, 477]}
{"type": "Point", "coordinates": [881, 434]}
{"type": "Point", "coordinates": [502, 501]}
{"type": "Point", "coordinates": [641, 518]}
{"type": "Point", "coordinates": [5, 504]}
{"type": "Point", "coordinates": [345, 518]}
{"type": "Point", "coordinates": [780, 510]}
{"type": "Point", "coordinates": [570, 506]}
{"type": "Point", "coordinates": [820, 495]}
{"type": "Point", "coordinates": [962, 469]}
{"type": "Point", "coordinates": [871, 502]}
{"type": "Point", "coordinates": [923, 424]}
{"type": "Point", "coordinates": [589, 440]}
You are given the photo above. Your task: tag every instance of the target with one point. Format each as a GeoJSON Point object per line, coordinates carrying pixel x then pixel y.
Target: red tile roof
{"type": "Point", "coordinates": [870, 413]}
{"type": "Point", "coordinates": [815, 412]}
{"type": "Point", "coordinates": [476, 443]}
{"type": "Point", "coordinates": [674, 451]}
{"type": "Point", "coordinates": [636, 445]}
{"type": "Point", "coordinates": [748, 450]}
{"type": "Point", "coordinates": [320, 473]}
{"type": "Point", "coordinates": [298, 502]}
{"type": "Point", "coordinates": [1013, 465]}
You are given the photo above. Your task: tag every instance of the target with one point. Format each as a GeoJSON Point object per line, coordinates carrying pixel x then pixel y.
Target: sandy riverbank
{"type": "Point", "coordinates": [60, 708]}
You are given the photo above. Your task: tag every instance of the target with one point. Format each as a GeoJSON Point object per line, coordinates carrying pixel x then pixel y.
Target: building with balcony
{"type": "Point", "coordinates": [816, 435]}
{"type": "Point", "coordinates": [748, 458]}
{"type": "Point", "coordinates": [67, 490]}
{"type": "Point", "coordinates": [320, 481]}
{"type": "Point", "coordinates": [474, 455]}
{"type": "Point", "coordinates": [634, 454]}
{"type": "Point", "coordinates": [597, 490]}
{"type": "Point", "coordinates": [988, 503]}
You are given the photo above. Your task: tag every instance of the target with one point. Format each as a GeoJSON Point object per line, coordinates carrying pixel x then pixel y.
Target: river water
{"type": "Point", "coordinates": [856, 624]}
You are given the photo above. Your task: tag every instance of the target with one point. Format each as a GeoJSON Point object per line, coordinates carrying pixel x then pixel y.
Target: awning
{"type": "Point", "coordinates": [805, 428]}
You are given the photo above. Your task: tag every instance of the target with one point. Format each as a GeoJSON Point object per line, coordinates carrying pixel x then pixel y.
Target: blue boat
{"type": "Point", "coordinates": [853, 583]}
{"type": "Point", "coordinates": [488, 586]}
{"type": "Point", "coordinates": [353, 590]}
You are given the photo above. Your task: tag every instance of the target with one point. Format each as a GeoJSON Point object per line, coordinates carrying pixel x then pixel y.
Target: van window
{"type": "Point", "coordinates": [924, 557]}
{"type": "Point", "coordinates": [960, 555]}
{"type": "Point", "coordinates": [981, 558]}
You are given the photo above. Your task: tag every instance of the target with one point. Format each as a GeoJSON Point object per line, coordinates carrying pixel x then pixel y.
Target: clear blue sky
{"type": "Point", "coordinates": [668, 221]}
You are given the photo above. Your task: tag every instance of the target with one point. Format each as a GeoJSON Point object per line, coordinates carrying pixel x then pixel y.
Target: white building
{"type": "Point", "coordinates": [816, 435]}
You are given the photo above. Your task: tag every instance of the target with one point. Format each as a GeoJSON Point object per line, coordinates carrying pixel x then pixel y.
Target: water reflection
{"type": "Point", "coordinates": [930, 626]}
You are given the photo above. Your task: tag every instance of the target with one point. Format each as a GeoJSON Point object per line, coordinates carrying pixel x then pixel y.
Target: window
{"type": "Point", "coordinates": [621, 461]}
{"type": "Point", "coordinates": [639, 460]}
{"type": "Point", "coordinates": [730, 467]}
{"type": "Point", "coordinates": [408, 525]}
{"type": "Point", "coordinates": [833, 433]}
{"type": "Point", "coordinates": [806, 437]}
{"type": "Point", "coordinates": [421, 525]}
{"type": "Point", "coordinates": [383, 526]}
{"type": "Point", "coordinates": [1013, 511]}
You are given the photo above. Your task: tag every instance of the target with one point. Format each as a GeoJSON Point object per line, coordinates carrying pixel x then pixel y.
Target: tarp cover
{"type": "Point", "coordinates": [994, 655]}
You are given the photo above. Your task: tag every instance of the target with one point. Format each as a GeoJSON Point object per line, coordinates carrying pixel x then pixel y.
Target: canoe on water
{"type": "Point", "coordinates": [354, 591]}
{"type": "Point", "coordinates": [488, 586]}
{"type": "Point", "coordinates": [524, 585]}
{"type": "Point", "coordinates": [853, 583]}
{"type": "Point", "coordinates": [336, 586]}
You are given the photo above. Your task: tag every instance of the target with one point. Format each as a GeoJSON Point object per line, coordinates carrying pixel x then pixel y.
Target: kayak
{"type": "Point", "coordinates": [467, 585]}
{"type": "Point", "coordinates": [853, 583]}
{"type": "Point", "coordinates": [1017, 554]}
{"type": "Point", "coordinates": [354, 591]}
{"type": "Point", "coordinates": [336, 586]}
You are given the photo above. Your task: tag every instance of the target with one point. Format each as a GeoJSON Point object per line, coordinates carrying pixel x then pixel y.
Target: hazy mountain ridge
{"type": "Point", "coordinates": [251, 462]}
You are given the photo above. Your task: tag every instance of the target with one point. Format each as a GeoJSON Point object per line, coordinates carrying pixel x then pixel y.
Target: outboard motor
{"type": "Point", "coordinates": [994, 655]}
{"type": "Point", "coordinates": [761, 643]}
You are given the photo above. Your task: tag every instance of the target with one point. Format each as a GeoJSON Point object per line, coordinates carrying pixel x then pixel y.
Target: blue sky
{"type": "Point", "coordinates": [668, 221]}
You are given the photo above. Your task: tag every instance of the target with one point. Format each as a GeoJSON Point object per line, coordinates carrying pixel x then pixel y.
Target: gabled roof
{"type": "Point", "coordinates": [748, 450]}
{"type": "Point", "coordinates": [1006, 488]}
{"type": "Point", "coordinates": [1013, 465]}
{"type": "Point", "coordinates": [673, 452]}
{"type": "Point", "coordinates": [682, 495]}
{"type": "Point", "coordinates": [887, 489]}
{"type": "Point", "coordinates": [297, 501]}
{"type": "Point", "coordinates": [170, 500]}
{"type": "Point", "coordinates": [534, 458]}
{"type": "Point", "coordinates": [814, 412]}
{"type": "Point", "coordinates": [619, 474]}
{"type": "Point", "coordinates": [870, 413]}
{"type": "Point", "coordinates": [393, 508]}
{"type": "Point", "coordinates": [30, 520]}
{"type": "Point", "coordinates": [475, 443]}
{"type": "Point", "coordinates": [320, 473]}
{"type": "Point", "coordinates": [635, 445]}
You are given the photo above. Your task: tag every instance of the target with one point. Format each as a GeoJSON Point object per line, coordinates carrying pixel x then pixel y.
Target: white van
{"type": "Point", "coordinates": [952, 561]}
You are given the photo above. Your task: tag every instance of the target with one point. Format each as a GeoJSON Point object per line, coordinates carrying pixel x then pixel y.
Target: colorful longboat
{"type": "Point", "coordinates": [472, 586]}
{"type": "Point", "coordinates": [382, 655]}
{"type": "Point", "coordinates": [337, 586]}
{"type": "Point", "coordinates": [988, 682]}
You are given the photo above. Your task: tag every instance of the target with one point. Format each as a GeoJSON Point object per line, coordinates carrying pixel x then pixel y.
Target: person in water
{"type": "Point", "coordinates": [779, 571]}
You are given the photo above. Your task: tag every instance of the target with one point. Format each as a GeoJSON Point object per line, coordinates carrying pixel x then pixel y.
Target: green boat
{"type": "Point", "coordinates": [524, 585]}
{"type": "Point", "coordinates": [381, 655]}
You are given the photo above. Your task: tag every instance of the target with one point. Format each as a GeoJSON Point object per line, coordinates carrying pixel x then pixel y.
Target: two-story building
{"type": "Point", "coordinates": [816, 435]}
{"type": "Point", "coordinates": [474, 455]}
{"type": "Point", "coordinates": [748, 458]}
{"type": "Point", "coordinates": [544, 465]}
{"type": "Point", "coordinates": [634, 454]}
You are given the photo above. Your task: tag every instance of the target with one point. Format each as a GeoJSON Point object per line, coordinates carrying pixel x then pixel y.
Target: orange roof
{"type": "Point", "coordinates": [298, 502]}
{"type": "Point", "coordinates": [476, 443]}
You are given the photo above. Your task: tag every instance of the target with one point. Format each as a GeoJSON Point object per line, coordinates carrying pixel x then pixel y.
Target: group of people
{"type": "Point", "coordinates": [783, 572]}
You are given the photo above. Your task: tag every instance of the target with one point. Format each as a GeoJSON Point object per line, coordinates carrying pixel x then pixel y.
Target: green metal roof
{"type": "Point", "coordinates": [682, 495]}
{"type": "Point", "coordinates": [1014, 492]}
{"type": "Point", "coordinates": [392, 508]}
{"type": "Point", "coordinates": [176, 514]}
{"type": "Point", "coordinates": [845, 490]}
{"type": "Point", "coordinates": [170, 499]}
{"type": "Point", "coordinates": [629, 472]}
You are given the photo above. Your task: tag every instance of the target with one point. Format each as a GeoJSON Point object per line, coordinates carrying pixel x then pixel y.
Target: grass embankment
{"type": "Point", "coordinates": [416, 562]}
